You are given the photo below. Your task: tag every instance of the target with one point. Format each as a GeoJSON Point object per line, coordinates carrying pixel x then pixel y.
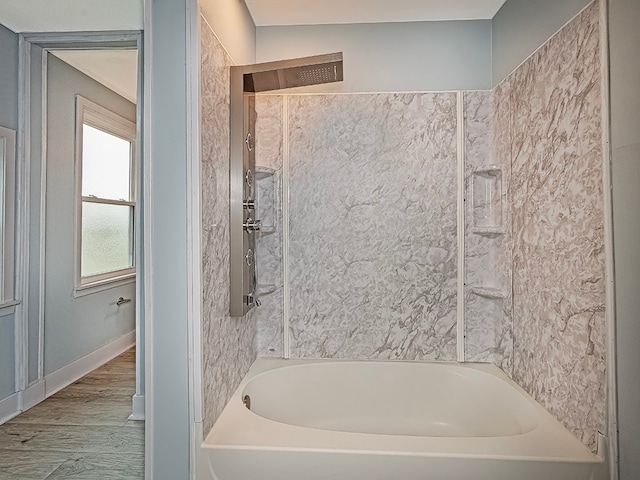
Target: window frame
{"type": "Point", "coordinates": [96, 116]}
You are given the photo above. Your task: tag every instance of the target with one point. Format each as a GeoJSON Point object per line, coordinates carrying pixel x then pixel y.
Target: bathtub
{"type": "Point", "coordinates": [388, 420]}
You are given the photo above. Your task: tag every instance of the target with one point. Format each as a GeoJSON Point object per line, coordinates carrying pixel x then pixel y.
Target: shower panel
{"type": "Point", "coordinates": [246, 81]}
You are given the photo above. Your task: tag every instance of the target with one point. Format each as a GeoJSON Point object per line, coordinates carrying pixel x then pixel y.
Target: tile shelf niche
{"type": "Point", "coordinates": [266, 199]}
{"type": "Point", "coordinates": [486, 195]}
{"type": "Point", "coordinates": [487, 220]}
{"type": "Point", "coordinates": [267, 196]}
{"type": "Point", "coordinates": [491, 293]}
{"type": "Point", "coordinates": [265, 289]}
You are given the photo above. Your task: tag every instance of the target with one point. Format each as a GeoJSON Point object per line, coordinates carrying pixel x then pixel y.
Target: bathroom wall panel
{"type": "Point", "coordinates": [9, 78]}
{"type": "Point", "coordinates": [558, 256]}
{"type": "Point", "coordinates": [373, 226]}
{"type": "Point", "coordinates": [501, 146]}
{"type": "Point", "coordinates": [488, 323]}
{"type": "Point", "coordinates": [228, 343]}
{"type": "Point", "coordinates": [269, 139]}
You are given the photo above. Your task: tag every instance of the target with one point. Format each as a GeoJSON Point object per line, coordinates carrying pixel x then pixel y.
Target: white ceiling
{"type": "Point", "coordinates": [115, 69]}
{"type": "Point", "coordinates": [87, 15]}
{"type": "Point", "coordinates": [71, 15]}
{"type": "Point", "coordinates": [310, 12]}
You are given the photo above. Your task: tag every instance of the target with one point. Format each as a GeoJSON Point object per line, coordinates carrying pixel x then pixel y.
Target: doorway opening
{"type": "Point", "coordinates": [70, 323]}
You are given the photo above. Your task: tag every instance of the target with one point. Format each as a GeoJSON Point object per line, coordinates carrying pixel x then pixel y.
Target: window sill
{"type": "Point", "coordinates": [95, 287]}
{"type": "Point", "coordinates": [8, 307]}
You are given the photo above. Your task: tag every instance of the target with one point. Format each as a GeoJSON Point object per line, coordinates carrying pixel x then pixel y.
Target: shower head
{"type": "Point", "coordinates": [298, 72]}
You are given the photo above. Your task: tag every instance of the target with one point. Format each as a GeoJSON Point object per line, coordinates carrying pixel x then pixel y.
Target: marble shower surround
{"type": "Point", "coordinates": [373, 226]}
{"type": "Point", "coordinates": [269, 317]}
{"type": "Point", "coordinates": [488, 321]}
{"type": "Point", "coordinates": [228, 343]}
{"type": "Point", "coordinates": [557, 198]}
{"type": "Point", "coordinates": [357, 165]}
{"type": "Point", "coordinates": [488, 261]}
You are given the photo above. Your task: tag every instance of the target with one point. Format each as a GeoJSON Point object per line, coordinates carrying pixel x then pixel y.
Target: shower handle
{"type": "Point", "coordinates": [252, 225]}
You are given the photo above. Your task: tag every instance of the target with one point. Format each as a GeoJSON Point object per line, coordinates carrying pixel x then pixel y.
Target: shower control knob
{"type": "Point", "coordinates": [249, 142]}
{"type": "Point", "coordinates": [248, 257]}
{"type": "Point", "coordinates": [252, 300]}
{"type": "Point", "coordinates": [249, 204]}
{"type": "Point", "coordinates": [252, 225]}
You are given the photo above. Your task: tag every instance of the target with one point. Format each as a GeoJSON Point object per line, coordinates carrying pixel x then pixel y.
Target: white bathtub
{"type": "Point", "coordinates": [388, 420]}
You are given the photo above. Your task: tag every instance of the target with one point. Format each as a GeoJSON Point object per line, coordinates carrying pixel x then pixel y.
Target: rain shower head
{"type": "Point", "coordinates": [298, 72]}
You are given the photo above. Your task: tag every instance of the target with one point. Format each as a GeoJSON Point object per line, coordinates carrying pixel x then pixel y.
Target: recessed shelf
{"type": "Point", "coordinates": [489, 292]}
{"type": "Point", "coordinates": [265, 289]}
{"type": "Point", "coordinates": [487, 168]}
{"type": "Point", "coordinates": [264, 172]}
{"type": "Point", "coordinates": [488, 231]}
{"type": "Point", "coordinates": [486, 196]}
{"type": "Point", "coordinates": [267, 230]}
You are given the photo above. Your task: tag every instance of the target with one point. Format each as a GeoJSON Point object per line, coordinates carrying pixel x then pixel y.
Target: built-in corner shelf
{"type": "Point", "coordinates": [265, 289]}
{"type": "Point", "coordinates": [489, 292]}
{"type": "Point", "coordinates": [488, 231]}
{"type": "Point", "coordinates": [267, 202]}
{"type": "Point", "coordinates": [266, 199]}
{"type": "Point", "coordinates": [486, 197]}
{"type": "Point", "coordinates": [267, 230]}
{"type": "Point", "coordinates": [264, 172]}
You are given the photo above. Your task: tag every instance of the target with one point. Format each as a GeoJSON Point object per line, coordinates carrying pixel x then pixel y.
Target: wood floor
{"type": "Point", "coordinates": [81, 432]}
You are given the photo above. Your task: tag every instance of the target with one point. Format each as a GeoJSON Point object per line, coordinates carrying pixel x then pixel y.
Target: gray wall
{"type": "Point", "coordinates": [391, 57]}
{"type": "Point", "coordinates": [624, 36]}
{"type": "Point", "coordinates": [8, 78]}
{"type": "Point", "coordinates": [33, 307]}
{"type": "Point", "coordinates": [74, 327]}
{"type": "Point", "coordinates": [521, 26]}
{"type": "Point", "coordinates": [167, 330]}
{"type": "Point", "coordinates": [8, 119]}
{"type": "Point", "coordinates": [7, 357]}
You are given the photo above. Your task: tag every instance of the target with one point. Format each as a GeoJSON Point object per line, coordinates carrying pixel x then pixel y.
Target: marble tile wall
{"type": "Point", "coordinates": [269, 136]}
{"type": "Point", "coordinates": [373, 226]}
{"type": "Point", "coordinates": [228, 343]}
{"type": "Point", "coordinates": [558, 232]}
{"type": "Point", "coordinates": [488, 322]}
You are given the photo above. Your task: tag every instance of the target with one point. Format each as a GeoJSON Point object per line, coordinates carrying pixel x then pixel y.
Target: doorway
{"type": "Point", "coordinates": [72, 323]}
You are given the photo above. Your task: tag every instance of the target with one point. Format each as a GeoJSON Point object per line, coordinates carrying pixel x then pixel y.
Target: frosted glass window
{"type": "Point", "coordinates": [106, 165]}
{"type": "Point", "coordinates": [106, 195]}
{"type": "Point", "coordinates": [107, 238]}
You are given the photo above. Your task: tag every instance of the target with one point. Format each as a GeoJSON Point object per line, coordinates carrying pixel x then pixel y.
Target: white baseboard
{"type": "Point", "coordinates": [9, 407]}
{"type": "Point", "coordinates": [56, 381]}
{"type": "Point", "coordinates": [33, 395]}
{"type": "Point", "coordinates": [137, 412]}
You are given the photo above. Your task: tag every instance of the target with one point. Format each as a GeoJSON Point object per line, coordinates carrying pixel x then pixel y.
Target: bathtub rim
{"type": "Point", "coordinates": [237, 428]}
{"type": "Point", "coordinates": [529, 419]}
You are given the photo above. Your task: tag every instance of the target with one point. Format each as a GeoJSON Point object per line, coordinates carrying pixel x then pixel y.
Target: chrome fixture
{"type": "Point", "coordinates": [246, 81]}
{"type": "Point", "coordinates": [298, 72]}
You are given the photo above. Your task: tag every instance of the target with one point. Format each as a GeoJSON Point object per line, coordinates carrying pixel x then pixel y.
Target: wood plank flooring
{"type": "Point", "coordinates": [81, 432]}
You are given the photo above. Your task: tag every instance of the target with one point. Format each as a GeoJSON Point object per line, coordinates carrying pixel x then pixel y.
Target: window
{"type": "Point", "coordinates": [7, 202]}
{"type": "Point", "coordinates": [105, 188]}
